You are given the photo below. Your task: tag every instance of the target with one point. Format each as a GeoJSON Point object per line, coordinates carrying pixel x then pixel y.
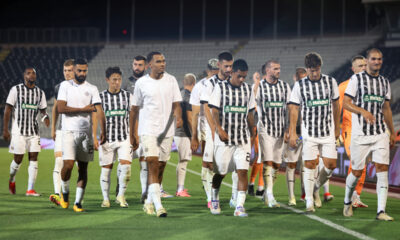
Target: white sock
{"type": "Point", "coordinates": [269, 180]}
{"type": "Point", "coordinates": [105, 182]}
{"type": "Point", "coordinates": [57, 175]}
{"type": "Point", "coordinates": [79, 195]}
{"type": "Point", "coordinates": [308, 179]}
{"type": "Point", "coordinates": [118, 171]}
{"type": "Point", "coordinates": [214, 194]}
{"type": "Point", "coordinates": [32, 172]}
{"type": "Point", "coordinates": [260, 188]}
{"type": "Point", "coordinates": [181, 175]}
{"type": "Point", "coordinates": [124, 178]}
{"type": "Point", "coordinates": [351, 182]}
{"type": "Point", "coordinates": [210, 175]}
{"type": "Point", "coordinates": [204, 173]}
{"type": "Point", "coordinates": [65, 186]}
{"type": "Point", "coordinates": [324, 174]}
{"type": "Point", "coordinates": [143, 175]}
{"type": "Point", "coordinates": [290, 180]}
{"type": "Point", "coordinates": [241, 198]}
{"type": "Point", "coordinates": [155, 194]}
{"type": "Point", "coordinates": [382, 190]}
{"type": "Point", "coordinates": [326, 186]}
{"type": "Point", "coordinates": [235, 180]}
{"type": "Point", "coordinates": [14, 167]}
{"type": "Point", "coordinates": [355, 195]}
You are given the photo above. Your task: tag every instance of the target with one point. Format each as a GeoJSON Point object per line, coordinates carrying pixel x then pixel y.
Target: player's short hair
{"type": "Point", "coordinates": [300, 71]}
{"type": "Point", "coordinates": [151, 55]}
{"type": "Point", "coordinates": [241, 65]}
{"type": "Point", "coordinates": [269, 62]}
{"type": "Point", "coordinates": [69, 62]}
{"type": "Point", "coordinates": [373, 50]}
{"type": "Point", "coordinates": [140, 58]}
{"type": "Point", "coordinates": [111, 70]}
{"type": "Point", "coordinates": [357, 57]}
{"type": "Point", "coordinates": [189, 79]}
{"type": "Point", "coordinates": [263, 72]}
{"type": "Point", "coordinates": [312, 60]}
{"type": "Point", "coordinates": [29, 67]}
{"type": "Point", "coordinates": [81, 61]}
{"type": "Point", "coordinates": [227, 56]}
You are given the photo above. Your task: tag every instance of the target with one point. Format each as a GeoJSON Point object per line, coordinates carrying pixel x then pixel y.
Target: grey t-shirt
{"type": "Point", "coordinates": [184, 131]}
{"type": "Point", "coordinates": [129, 84]}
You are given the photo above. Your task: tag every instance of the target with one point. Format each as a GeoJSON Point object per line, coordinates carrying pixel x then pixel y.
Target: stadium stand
{"type": "Point", "coordinates": [181, 58]}
{"type": "Point", "coordinates": [48, 62]}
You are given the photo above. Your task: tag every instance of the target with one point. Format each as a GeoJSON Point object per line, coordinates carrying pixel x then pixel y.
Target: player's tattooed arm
{"type": "Point", "coordinates": [293, 114]}
{"type": "Point", "coordinates": [195, 120]}
{"type": "Point", "coordinates": [221, 132]}
{"type": "Point", "coordinates": [133, 127]}
{"type": "Point", "coordinates": [387, 115]}
{"type": "Point", "coordinates": [6, 120]}
{"type": "Point", "coordinates": [250, 122]}
{"type": "Point", "coordinates": [177, 110]}
{"type": "Point", "coordinates": [63, 108]}
{"type": "Point", "coordinates": [101, 118]}
{"type": "Point", "coordinates": [349, 106]}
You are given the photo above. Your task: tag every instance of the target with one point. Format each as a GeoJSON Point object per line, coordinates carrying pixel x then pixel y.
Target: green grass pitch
{"type": "Point", "coordinates": [32, 218]}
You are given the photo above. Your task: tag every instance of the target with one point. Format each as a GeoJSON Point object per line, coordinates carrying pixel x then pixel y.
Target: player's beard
{"type": "Point", "coordinates": [138, 75]}
{"type": "Point", "coordinates": [80, 79]}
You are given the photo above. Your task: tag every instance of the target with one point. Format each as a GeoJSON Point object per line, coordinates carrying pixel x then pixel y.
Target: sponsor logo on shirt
{"type": "Point", "coordinates": [274, 104]}
{"type": "Point", "coordinates": [29, 106]}
{"type": "Point", "coordinates": [373, 98]}
{"type": "Point", "coordinates": [117, 112]}
{"type": "Point", "coordinates": [317, 102]}
{"type": "Point", "coordinates": [235, 109]}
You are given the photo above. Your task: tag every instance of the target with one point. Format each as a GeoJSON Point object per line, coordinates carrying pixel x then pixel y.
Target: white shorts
{"type": "Point", "coordinates": [20, 144]}
{"type": "Point", "coordinates": [77, 146]}
{"type": "Point", "coordinates": [271, 148]}
{"type": "Point", "coordinates": [324, 147]}
{"type": "Point", "coordinates": [138, 153]}
{"type": "Point", "coordinates": [231, 158]}
{"type": "Point", "coordinates": [151, 148]}
{"type": "Point", "coordinates": [58, 141]}
{"type": "Point", "coordinates": [184, 148]}
{"type": "Point", "coordinates": [208, 155]}
{"type": "Point", "coordinates": [362, 146]}
{"type": "Point", "coordinates": [292, 155]}
{"type": "Point", "coordinates": [108, 152]}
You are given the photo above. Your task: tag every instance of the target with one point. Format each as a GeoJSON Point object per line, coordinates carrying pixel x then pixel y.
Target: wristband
{"type": "Point", "coordinates": [44, 117]}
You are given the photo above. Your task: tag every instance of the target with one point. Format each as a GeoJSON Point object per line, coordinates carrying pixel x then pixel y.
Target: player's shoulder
{"type": "Point", "coordinates": [142, 80]}
{"type": "Point", "coordinates": [284, 83]}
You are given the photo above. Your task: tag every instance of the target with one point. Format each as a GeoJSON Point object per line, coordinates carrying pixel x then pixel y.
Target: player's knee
{"type": "Point", "coordinates": [357, 173]}
{"type": "Point", "coordinates": [292, 165]}
{"type": "Point", "coordinates": [381, 167]}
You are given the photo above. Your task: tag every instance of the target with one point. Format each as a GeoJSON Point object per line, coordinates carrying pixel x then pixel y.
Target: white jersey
{"type": "Point", "coordinates": [195, 97]}
{"type": "Point", "coordinates": [369, 93]}
{"type": "Point", "coordinates": [271, 104]}
{"type": "Point", "coordinates": [116, 107]}
{"type": "Point", "coordinates": [234, 104]}
{"type": "Point", "coordinates": [77, 96]}
{"type": "Point", "coordinates": [315, 98]}
{"type": "Point", "coordinates": [155, 98]}
{"type": "Point", "coordinates": [26, 102]}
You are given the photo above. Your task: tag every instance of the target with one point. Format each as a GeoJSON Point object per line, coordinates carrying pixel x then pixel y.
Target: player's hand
{"type": "Point", "coordinates": [47, 122]}
{"type": "Point", "coordinates": [89, 108]}
{"type": "Point", "coordinates": [256, 78]}
{"type": "Point", "coordinates": [102, 138]}
{"type": "Point", "coordinates": [135, 142]}
{"type": "Point", "coordinates": [223, 135]}
{"type": "Point", "coordinates": [53, 134]}
{"type": "Point", "coordinates": [179, 122]}
{"type": "Point", "coordinates": [286, 137]}
{"type": "Point", "coordinates": [95, 143]}
{"type": "Point", "coordinates": [368, 117]}
{"type": "Point", "coordinates": [194, 144]}
{"type": "Point", "coordinates": [337, 133]}
{"type": "Point", "coordinates": [293, 140]}
{"type": "Point", "coordinates": [6, 135]}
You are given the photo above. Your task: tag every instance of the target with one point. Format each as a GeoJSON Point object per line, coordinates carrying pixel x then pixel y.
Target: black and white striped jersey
{"type": "Point", "coordinates": [209, 87]}
{"type": "Point", "coordinates": [234, 104]}
{"type": "Point", "coordinates": [26, 103]}
{"type": "Point", "coordinates": [315, 98]}
{"type": "Point", "coordinates": [272, 100]}
{"type": "Point", "coordinates": [116, 108]}
{"type": "Point", "coordinates": [370, 93]}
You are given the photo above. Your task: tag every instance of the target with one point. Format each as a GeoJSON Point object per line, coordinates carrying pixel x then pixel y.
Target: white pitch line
{"type": "Point", "coordinates": [311, 216]}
